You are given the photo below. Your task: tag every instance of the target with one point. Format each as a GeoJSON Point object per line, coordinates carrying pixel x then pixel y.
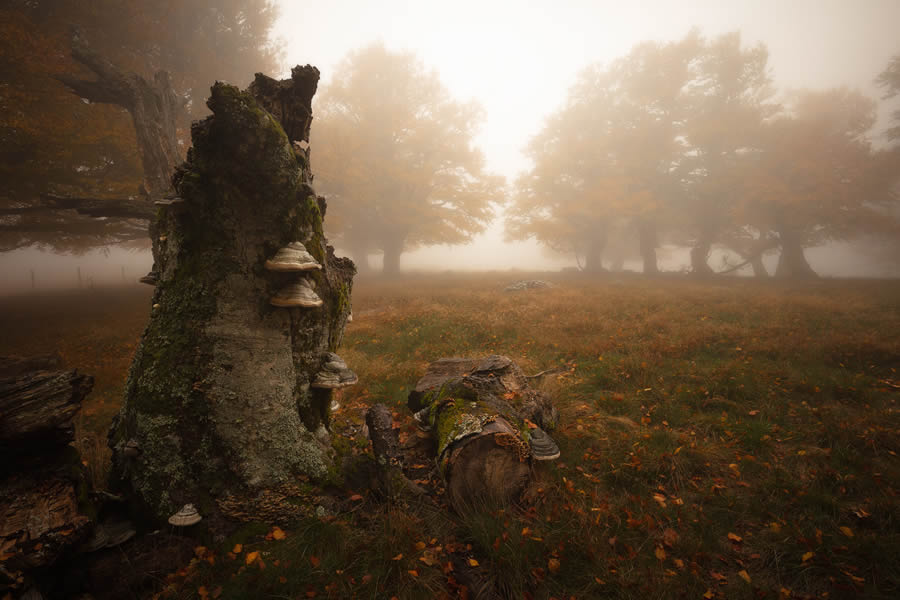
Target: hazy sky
{"type": "Point", "coordinates": [518, 59]}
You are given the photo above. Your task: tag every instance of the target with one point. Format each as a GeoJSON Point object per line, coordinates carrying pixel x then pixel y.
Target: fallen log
{"type": "Point", "coordinates": [37, 406]}
{"type": "Point", "coordinates": [488, 424]}
{"type": "Point", "coordinates": [43, 491]}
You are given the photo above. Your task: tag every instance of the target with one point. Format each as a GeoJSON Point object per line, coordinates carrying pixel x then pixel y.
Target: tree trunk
{"type": "Point", "coordinates": [759, 268]}
{"type": "Point", "coordinates": [393, 248]}
{"type": "Point", "coordinates": [700, 256]}
{"type": "Point", "coordinates": [648, 243]}
{"type": "Point", "coordinates": [154, 108]}
{"type": "Point", "coordinates": [225, 397]}
{"type": "Point", "coordinates": [792, 263]}
{"type": "Point", "coordinates": [593, 258]}
{"type": "Point", "coordinates": [480, 409]}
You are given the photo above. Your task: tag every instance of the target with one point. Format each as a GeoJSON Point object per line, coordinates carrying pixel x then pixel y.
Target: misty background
{"type": "Point", "coordinates": [518, 61]}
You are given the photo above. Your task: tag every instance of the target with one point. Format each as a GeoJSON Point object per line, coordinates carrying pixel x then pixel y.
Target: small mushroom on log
{"type": "Point", "coordinates": [188, 515]}
{"type": "Point", "coordinates": [293, 257]}
{"type": "Point", "coordinates": [334, 374]}
{"type": "Point", "coordinates": [298, 294]}
{"type": "Point", "coordinates": [483, 414]}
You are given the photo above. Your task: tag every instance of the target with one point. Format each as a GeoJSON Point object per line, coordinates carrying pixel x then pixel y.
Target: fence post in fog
{"type": "Point", "coordinates": [32, 278]}
{"type": "Point", "coordinates": [79, 276]}
{"type": "Point", "coordinates": [123, 272]}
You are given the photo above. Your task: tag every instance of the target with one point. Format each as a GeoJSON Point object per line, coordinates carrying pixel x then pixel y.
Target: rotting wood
{"type": "Point", "coordinates": [481, 412]}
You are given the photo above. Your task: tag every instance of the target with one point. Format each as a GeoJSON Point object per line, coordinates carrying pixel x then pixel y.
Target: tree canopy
{"type": "Point", "coordinates": [72, 170]}
{"type": "Point", "coordinates": [394, 154]}
{"type": "Point", "coordinates": [688, 134]}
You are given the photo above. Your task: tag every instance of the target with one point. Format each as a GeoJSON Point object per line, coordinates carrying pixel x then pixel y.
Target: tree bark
{"type": "Point", "coordinates": [153, 105]}
{"type": "Point", "coordinates": [700, 255]}
{"type": "Point", "coordinates": [41, 482]}
{"type": "Point", "coordinates": [479, 410]}
{"type": "Point", "coordinates": [792, 263]}
{"type": "Point", "coordinates": [593, 258]}
{"type": "Point", "coordinates": [648, 242]}
{"type": "Point", "coordinates": [393, 248]}
{"type": "Point", "coordinates": [222, 398]}
{"type": "Point", "coordinates": [37, 408]}
{"type": "Point", "coordinates": [759, 268]}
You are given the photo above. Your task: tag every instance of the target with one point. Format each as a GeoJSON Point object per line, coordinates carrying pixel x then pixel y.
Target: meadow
{"type": "Point", "coordinates": [731, 438]}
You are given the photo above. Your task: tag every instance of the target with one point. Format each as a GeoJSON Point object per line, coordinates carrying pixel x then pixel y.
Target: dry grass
{"type": "Point", "coordinates": [732, 439]}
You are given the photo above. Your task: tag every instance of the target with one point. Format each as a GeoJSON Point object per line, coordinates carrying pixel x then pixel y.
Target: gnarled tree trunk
{"type": "Point", "coordinates": [222, 399]}
{"type": "Point", "coordinates": [154, 108]}
{"type": "Point", "coordinates": [792, 263]}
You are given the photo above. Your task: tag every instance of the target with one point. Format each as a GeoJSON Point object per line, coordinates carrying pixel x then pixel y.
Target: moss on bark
{"type": "Point", "coordinates": [218, 396]}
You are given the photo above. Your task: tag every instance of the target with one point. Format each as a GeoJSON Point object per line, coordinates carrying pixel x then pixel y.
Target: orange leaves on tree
{"type": "Point", "coordinates": [251, 557]}
{"type": "Point", "coordinates": [744, 575]}
{"type": "Point", "coordinates": [314, 561]}
{"type": "Point", "coordinates": [735, 538]}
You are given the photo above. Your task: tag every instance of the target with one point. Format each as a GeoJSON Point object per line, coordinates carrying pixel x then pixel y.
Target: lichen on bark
{"type": "Point", "coordinates": [218, 397]}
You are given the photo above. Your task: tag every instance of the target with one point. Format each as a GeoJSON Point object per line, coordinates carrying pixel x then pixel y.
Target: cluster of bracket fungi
{"type": "Point", "coordinates": [294, 257]}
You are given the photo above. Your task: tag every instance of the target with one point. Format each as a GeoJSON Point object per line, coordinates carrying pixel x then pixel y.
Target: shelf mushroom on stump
{"type": "Point", "coordinates": [488, 423]}
{"type": "Point", "coordinates": [334, 375]}
{"type": "Point", "coordinates": [219, 405]}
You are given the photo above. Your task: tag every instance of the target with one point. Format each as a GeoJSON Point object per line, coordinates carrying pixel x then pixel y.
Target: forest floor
{"type": "Point", "coordinates": [723, 439]}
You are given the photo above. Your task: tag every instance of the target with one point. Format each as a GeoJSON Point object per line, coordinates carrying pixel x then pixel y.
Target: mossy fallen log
{"type": "Point", "coordinates": [483, 415]}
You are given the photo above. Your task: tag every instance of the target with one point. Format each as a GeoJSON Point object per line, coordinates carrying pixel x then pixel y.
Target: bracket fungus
{"type": "Point", "coordinates": [334, 374]}
{"type": "Point", "coordinates": [150, 278]}
{"type": "Point", "coordinates": [293, 257]}
{"type": "Point", "coordinates": [299, 293]}
{"type": "Point", "coordinates": [542, 445]}
{"type": "Point", "coordinates": [188, 515]}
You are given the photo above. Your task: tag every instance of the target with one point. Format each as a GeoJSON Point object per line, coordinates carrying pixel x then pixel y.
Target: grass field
{"type": "Point", "coordinates": [729, 439]}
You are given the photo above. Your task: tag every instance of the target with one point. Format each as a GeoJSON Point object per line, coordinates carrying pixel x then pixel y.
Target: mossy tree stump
{"type": "Point", "coordinates": [219, 402]}
{"type": "Point", "coordinates": [481, 412]}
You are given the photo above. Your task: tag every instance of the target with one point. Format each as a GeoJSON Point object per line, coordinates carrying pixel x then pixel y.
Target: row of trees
{"type": "Point", "coordinates": [682, 143]}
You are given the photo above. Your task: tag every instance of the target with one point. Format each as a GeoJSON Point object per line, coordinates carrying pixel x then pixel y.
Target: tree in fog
{"type": "Point", "coordinates": [889, 79]}
{"type": "Point", "coordinates": [94, 116]}
{"type": "Point", "coordinates": [815, 178]}
{"type": "Point", "coordinates": [611, 154]}
{"type": "Point", "coordinates": [729, 99]}
{"type": "Point", "coordinates": [394, 154]}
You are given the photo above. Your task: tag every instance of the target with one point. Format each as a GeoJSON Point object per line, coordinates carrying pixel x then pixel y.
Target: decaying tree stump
{"type": "Point", "coordinates": [486, 420]}
{"type": "Point", "coordinates": [42, 486]}
{"type": "Point", "coordinates": [230, 388]}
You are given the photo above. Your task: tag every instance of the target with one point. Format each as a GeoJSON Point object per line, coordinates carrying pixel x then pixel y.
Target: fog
{"type": "Point", "coordinates": [518, 60]}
